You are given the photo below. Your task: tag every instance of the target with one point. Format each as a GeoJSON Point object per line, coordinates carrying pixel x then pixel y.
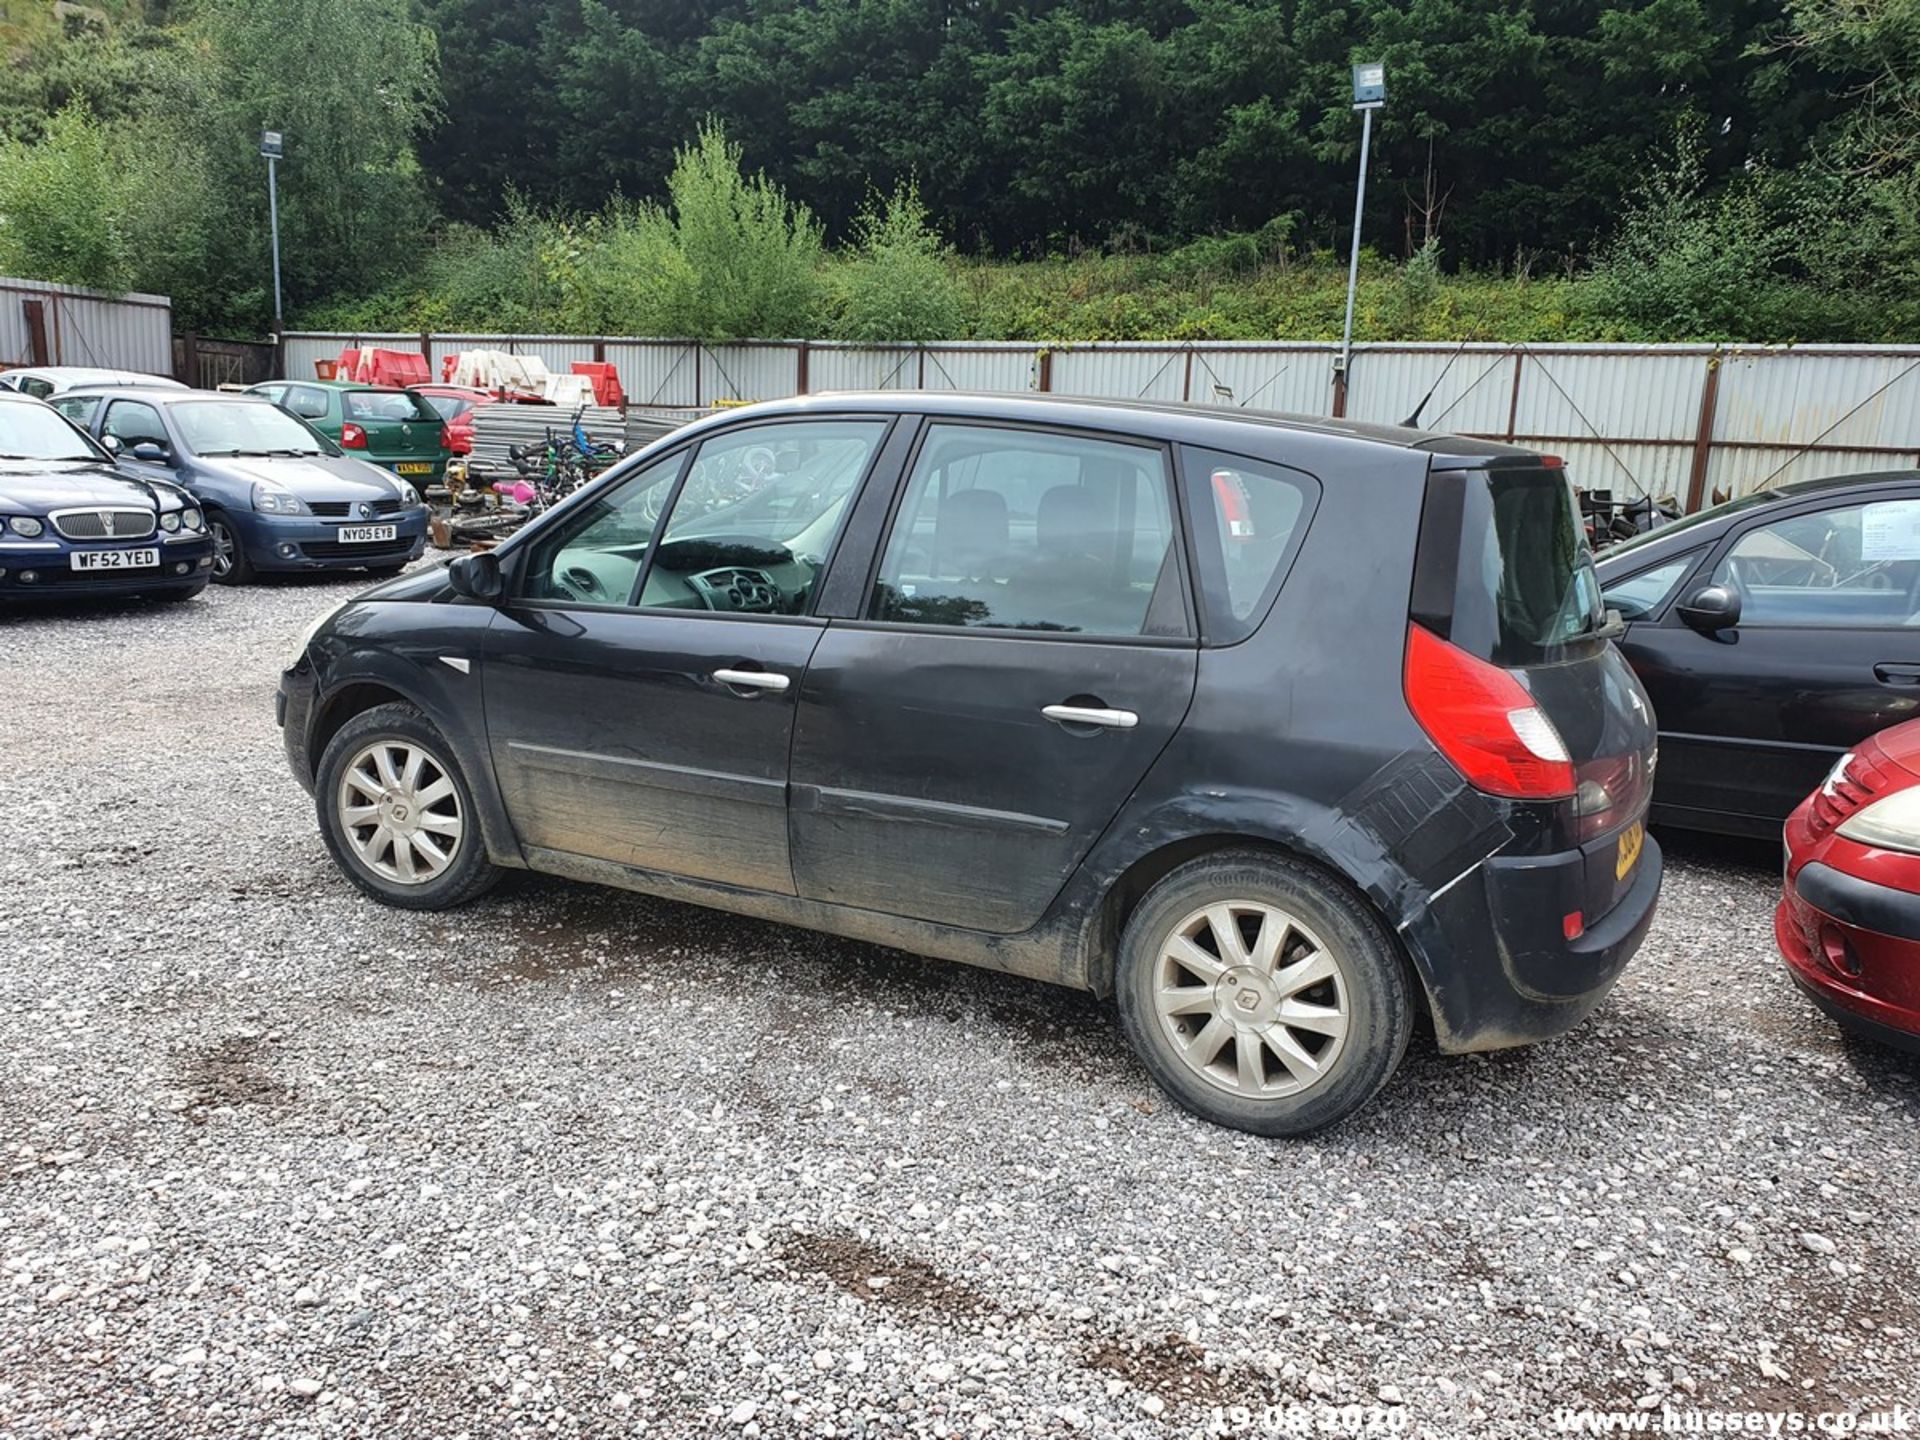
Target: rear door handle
{"type": "Point", "coordinates": [1087, 715]}
{"type": "Point", "coordinates": [1897, 674]}
{"type": "Point", "coordinates": [752, 679]}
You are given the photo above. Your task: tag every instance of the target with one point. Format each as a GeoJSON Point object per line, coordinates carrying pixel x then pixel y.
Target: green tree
{"type": "Point", "coordinates": [59, 214]}
{"type": "Point", "coordinates": [899, 285]}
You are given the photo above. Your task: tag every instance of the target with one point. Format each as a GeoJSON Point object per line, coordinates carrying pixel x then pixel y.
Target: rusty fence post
{"type": "Point", "coordinates": [1703, 434]}
{"type": "Point", "coordinates": [1513, 401]}
{"type": "Point", "coordinates": [1046, 370]}
{"type": "Point", "coordinates": [802, 356]}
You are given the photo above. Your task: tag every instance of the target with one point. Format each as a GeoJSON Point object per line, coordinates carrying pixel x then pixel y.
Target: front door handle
{"type": "Point", "coordinates": [1897, 674]}
{"type": "Point", "coordinates": [1088, 715]}
{"type": "Point", "coordinates": [752, 679]}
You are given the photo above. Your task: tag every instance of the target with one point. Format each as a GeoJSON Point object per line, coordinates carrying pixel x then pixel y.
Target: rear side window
{"type": "Point", "coordinates": [79, 408]}
{"type": "Point", "coordinates": [308, 404]}
{"type": "Point", "coordinates": [1504, 569]}
{"type": "Point", "coordinates": [386, 405]}
{"type": "Point", "coordinates": [1249, 518]}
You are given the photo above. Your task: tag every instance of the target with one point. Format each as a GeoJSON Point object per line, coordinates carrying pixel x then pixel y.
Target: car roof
{"type": "Point", "coordinates": [103, 374]}
{"type": "Point", "coordinates": [338, 385]}
{"type": "Point", "coordinates": [160, 397]}
{"type": "Point", "coordinates": [1105, 413]}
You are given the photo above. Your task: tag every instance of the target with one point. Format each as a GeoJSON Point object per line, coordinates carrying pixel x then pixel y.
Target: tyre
{"type": "Point", "coordinates": [174, 597]}
{"type": "Point", "coordinates": [398, 815]}
{"type": "Point", "coordinates": [1262, 994]}
{"type": "Point", "coordinates": [230, 563]}
{"type": "Point", "coordinates": [383, 572]}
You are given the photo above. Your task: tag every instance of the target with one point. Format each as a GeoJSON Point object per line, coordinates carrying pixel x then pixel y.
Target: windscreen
{"type": "Point", "coordinates": [243, 427]}
{"type": "Point", "coordinates": [33, 432]}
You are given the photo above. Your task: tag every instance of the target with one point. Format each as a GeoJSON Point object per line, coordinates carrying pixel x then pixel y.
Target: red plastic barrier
{"type": "Point", "coordinates": [394, 367]}
{"type": "Point", "coordinates": [606, 382]}
{"type": "Point", "coordinates": [347, 367]}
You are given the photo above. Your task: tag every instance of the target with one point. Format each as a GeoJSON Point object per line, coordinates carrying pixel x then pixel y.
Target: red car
{"type": "Point", "coordinates": [455, 404]}
{"type": "Point", "coordinates": [1849, 922]}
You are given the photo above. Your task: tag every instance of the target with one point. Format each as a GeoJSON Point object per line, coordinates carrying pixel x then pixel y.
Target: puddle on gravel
{"type": "Point", "coordinates": [229, 1075]}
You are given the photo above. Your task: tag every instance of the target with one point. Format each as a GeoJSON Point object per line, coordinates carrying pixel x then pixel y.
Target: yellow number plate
{"type": "Point", "coordinates": [414, 467]}
{"type": "Point", "coordinates": [1630, 842]}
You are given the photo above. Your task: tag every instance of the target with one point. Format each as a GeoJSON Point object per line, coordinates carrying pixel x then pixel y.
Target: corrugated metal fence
{"type": "Point", "coordinates": [1689, 421]}
{"type": "Point", "coordinates": [46, 324]}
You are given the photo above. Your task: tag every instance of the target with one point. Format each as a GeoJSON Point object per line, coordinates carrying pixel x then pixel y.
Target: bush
{"type": "Point", "coordinates": [60, 217]}
{"type": "Point", "coordinates": [747, 258]}
{"type": "Point", "coordinates": [899, 285]}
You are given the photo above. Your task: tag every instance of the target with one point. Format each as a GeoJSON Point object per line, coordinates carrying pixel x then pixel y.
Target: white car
{"type": "Point", "coordinates": [40, 381]}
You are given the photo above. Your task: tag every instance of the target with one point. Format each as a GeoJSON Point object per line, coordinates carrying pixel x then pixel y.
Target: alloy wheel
{"type": "Point", "coordinates": [1252, 999]}
{"type": "Point", "coordinates": [224, 546]}
{"type": "Point", "coordinates": [399, 811]}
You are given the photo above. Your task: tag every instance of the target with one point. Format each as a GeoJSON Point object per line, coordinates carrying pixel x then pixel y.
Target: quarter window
{"type": "Point", "coordinates": [1854, 567]}
{"type": "Point", "coordinates": [1249, 518]}
{"type": "Point", "coordinates": [1027, 530]}
{"type": "Point", "coordinates": [307, 403]}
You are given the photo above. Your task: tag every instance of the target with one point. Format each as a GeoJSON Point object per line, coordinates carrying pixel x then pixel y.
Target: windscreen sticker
{"type": "Point", "coordinates": [1890, 530]}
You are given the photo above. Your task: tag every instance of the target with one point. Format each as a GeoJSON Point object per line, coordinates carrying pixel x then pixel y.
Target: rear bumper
{"type": "Point", "coordinates": [1499, 969]}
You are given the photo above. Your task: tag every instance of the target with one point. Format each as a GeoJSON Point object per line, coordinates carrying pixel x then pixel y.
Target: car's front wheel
{"type": "Point", "coordinates": [1262, 994]}
{"type": "Point", "coordinates": [230, 563]}
{"type": "Point", "coordinates": [398, 814]}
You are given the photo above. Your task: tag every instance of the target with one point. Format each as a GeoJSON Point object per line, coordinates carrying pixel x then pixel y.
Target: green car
{"type": "Point", "coordinates": [395, 429]}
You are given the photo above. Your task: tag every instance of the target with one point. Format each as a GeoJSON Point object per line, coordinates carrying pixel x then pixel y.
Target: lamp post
{"type": "Point", "coordinates": [272, 146]}
{"type": "Point", "coordinates": [1369, 95]}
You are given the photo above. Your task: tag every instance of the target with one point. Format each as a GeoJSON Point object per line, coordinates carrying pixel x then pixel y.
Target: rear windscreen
{"type": "Point", "coordinates": [386, 405]}
{"type": "Point", "coordinates": [1523, 585]}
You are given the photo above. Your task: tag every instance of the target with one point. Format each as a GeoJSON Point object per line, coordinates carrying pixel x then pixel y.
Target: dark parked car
{"type": "Point", "coordinates": [277, 495]}
{"type": "Point", "coordinates": [72, 525]}
{"type": "Point", "coordinates": [395, 429]}
{"type": "Point", "coordinates": [1277, 731]}
{"type": "Point", "coordinates": [1772, 633]}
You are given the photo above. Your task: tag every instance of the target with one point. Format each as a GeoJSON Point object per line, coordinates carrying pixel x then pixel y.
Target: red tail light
{"type": "Point", "coordinates": [446, 438]}
{"type": "Point", "coordinates": [1484, 722]}
{"type": "Point", "coordinates": [353, 437]}
{"type": "Point", "coordinates": [1232, 500]}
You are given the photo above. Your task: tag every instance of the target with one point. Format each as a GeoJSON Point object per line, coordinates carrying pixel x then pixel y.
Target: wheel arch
{"type": "Point", "coordinates": [1106, 919]}
{"type": "Point", "coordinates": [368, 681]}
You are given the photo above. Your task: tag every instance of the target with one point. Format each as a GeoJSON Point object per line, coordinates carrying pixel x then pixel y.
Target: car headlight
{"type": "Point", "coordinates": [408, 495]}
{"type": "Point", "coordinates": [170, 521]}
{"type": "Point", "coordinates": [270, 500]}
{"type": "Point", "coordinates": [25, 525]}
{"type": "Point", "coordinates": [192, 519]}
{"type": "Point", "coordinates": [314, 626]}
{"type": "Point", "coordinates": [1891, 822]}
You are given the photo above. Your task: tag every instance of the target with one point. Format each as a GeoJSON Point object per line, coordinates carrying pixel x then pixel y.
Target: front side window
{"type": "Point", "coordinates": [592, 552]}
{"type": "Point", "coordinates": [1029, 530]}
{"type": "Point", "coordinates": [133, 423]}
{"type": "Point", "coordinates": [1645, 593]}
{"type": "Point", "coordinates": [1856, 566]}
{"type": "Point", "coordinates": [1249, 518]}
{"type": "Point", "coordinates": [758, 516]}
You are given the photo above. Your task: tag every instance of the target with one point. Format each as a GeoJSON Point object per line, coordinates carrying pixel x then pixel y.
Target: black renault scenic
{"type": "Point", "coordinates": [1280, 732]}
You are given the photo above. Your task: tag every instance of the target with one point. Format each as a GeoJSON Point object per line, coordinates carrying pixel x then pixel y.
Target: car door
{"type": "Point", "coordinates": [640, 682]}
{"type": "Point", "coordinates": [976, 717]}
{"type": "Point", "coordinates": [1825, 652]}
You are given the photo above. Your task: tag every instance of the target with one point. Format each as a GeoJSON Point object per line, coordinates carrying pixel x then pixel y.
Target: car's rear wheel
{"type": "Point", "coordinates": [1262, 994]}
{"type": "Point", "coordinates": [398, 814]}
{"type": "Point", "coordinates": [230, 563]}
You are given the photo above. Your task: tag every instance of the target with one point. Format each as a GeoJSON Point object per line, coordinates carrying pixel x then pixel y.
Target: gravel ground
{"type": "Point", "coordinates": [275, 1161]}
